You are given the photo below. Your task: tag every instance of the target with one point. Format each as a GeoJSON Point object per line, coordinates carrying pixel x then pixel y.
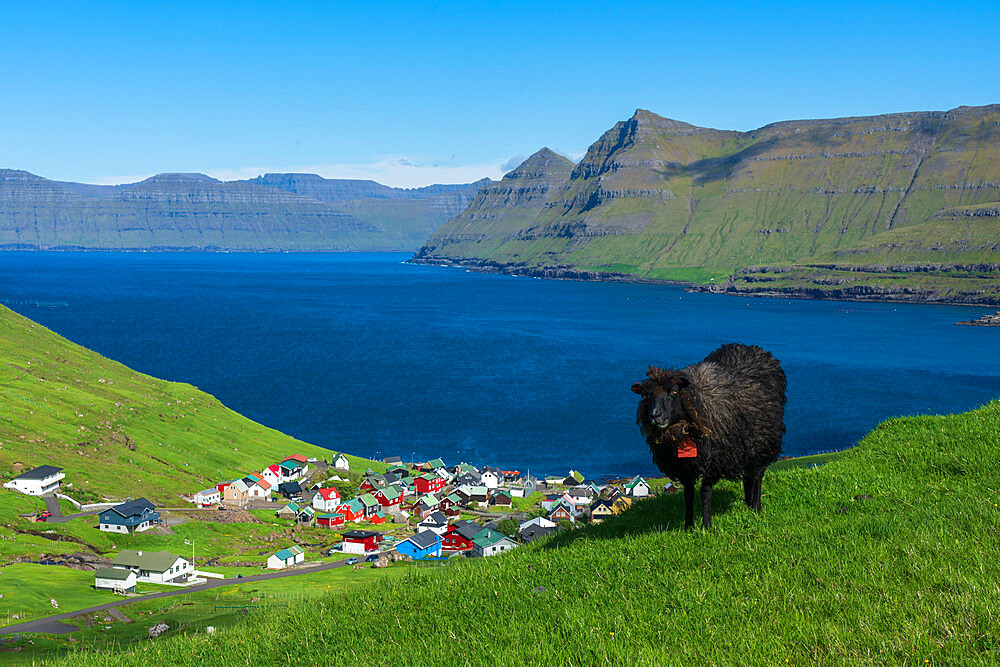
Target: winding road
{"type": "Point", "coordinates": [54, 625]}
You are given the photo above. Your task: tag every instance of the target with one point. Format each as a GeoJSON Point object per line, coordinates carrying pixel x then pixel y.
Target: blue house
{"type": "Point", "coordinates": [134, 516]}
{"type": "Point", "coordinates": [424, 544]}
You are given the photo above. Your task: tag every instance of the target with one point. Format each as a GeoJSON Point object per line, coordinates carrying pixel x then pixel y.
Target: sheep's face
{"type": "Point", "coordinates": [661, 404]}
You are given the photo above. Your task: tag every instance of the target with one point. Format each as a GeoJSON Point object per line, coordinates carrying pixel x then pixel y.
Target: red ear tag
{"type": "Point", "coordinates": [686, 449]}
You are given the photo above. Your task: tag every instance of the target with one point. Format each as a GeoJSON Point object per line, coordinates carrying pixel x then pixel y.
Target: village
{"type": "Point", "coordinates": [421, 512]}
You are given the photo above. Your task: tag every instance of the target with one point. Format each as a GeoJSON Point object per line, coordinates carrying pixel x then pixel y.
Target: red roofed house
{"type": "Point", "coordinates": [272, 474]}
{"type": "Point", "coordinates": [326, 500]}
{"type": "Point", "coordinates": [301, 458]}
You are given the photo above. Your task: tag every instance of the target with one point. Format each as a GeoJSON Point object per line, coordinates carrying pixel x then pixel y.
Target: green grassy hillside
{"type": "Point", "coordinates": [116, 432]}
{"type": "Point", "coordinates": [660, 199]}
{"type": "Point", "coordinates": [886, 554]}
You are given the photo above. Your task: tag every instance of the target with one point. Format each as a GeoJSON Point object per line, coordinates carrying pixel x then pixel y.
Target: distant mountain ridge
{"type": "Point", "coordinates": [181, 211]}
{"type": "Point", "coordinates": [895, 206]}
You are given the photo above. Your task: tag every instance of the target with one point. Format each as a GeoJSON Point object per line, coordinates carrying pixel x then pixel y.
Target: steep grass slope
{"type": "Point", "coordinates": [117, 432]}
{"type": "Point", "coordinates": [885, 555]}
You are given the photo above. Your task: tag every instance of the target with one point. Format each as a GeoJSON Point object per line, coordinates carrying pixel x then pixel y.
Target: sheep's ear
{"type": "Point", "coordinates": [682, 381]}
{"type": "Point", "coordinates": [637, 388]}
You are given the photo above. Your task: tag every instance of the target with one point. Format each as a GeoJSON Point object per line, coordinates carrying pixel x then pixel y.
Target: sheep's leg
{"type": "Point", "coordinates": [749, 482]}
{"type": "Point", "coordinates": [689, 505]}
{"type": "Point", "coordinates": [758, 482]}
{"type": "Point", "coordinates": [706, 504]}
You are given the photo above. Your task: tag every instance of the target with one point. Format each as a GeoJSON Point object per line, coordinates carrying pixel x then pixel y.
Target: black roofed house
{"type": "Point", "coordinates": [133, 516]}
{"type": "Point", "coordinates": [435, 522]}
{"type": "Point", "coordinates": [37, 481]}
{"type": "Point", "coordinates": [290, 489]}
{"type": "Point", "coordinates": [391, 460]}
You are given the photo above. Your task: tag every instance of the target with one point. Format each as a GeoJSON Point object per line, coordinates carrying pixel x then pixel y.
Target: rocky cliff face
{"type": "Point", "coordinates": [660, 199]}
{"type": "Point", "coordinates": [197, 212]}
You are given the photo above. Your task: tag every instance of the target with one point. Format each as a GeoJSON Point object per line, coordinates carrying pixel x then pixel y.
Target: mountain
{"type": "Point", "coordinates": [287, 212]}
{"type": "Point", "coordinates": [902, 206]}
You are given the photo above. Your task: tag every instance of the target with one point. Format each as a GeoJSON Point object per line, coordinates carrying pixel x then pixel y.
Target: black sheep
{"type": "Point", "coordinates": [722, 418]}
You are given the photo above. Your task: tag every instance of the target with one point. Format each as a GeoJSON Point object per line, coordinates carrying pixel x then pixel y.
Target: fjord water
{"type": "Point", "coordinates": [366, 354]}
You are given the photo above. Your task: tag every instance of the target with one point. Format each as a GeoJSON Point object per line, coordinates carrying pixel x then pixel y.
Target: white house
{"type": "Point", "coordinates": [341, 463]}
{"type": "Point", "coordinates": [491, 478]}
{"type": "Point", "coordinates": [539, 521]}
{"type": "Point", "coordinates": [490, 542]}
{"type": "Point", "coordinates": [114, 579]}
{"type": "Point", "coordinates": [637, 488]}
{"type": "Point", "coordinates": [207, 497]}
{"type": "Point", "coordinates": [272, 474]}
{"type": "Point", "coordinates": [261, 488]}
{"type": "Point", "coordinates": [37, 481]}
{"type": "Point", "coordinates": [436, 522]}
{"type": "Point", "coordinates": [155, 567]}
{"type": "Point", "coordinates": [326, 500]}
{"type": "Point", "coordinates": [286, 558]}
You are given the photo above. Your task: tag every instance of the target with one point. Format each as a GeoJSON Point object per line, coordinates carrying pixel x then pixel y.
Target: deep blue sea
{"type": "Point", "coordinates": [366, 354]}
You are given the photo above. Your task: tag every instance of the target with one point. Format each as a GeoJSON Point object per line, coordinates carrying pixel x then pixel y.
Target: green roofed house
{"type": "Point", "coordinates": [371, 506]}
{"type": "Point", "coordinates": [489, 543]}
{"type": "Point", "coordinates": [155, 567]}
{"type": "Point", "coordinates": [286, 558]}
{"type": "Point", "coordinates": [637, 488]}
{"type": "Point", "coordinates": [289, 511]}
{"type": "Point", "coordinates": [114, 579]}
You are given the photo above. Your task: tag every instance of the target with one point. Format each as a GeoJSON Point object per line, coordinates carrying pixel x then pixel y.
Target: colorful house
{"type": "Point", "coordinates": [637, 488]}
{"type": "Point", "coordinates": [326, 500]}
{"type": "Point", "coordinates": [272, 474]}
{"type": "Point", "coordinates": [389, 497]}
{"type": "Point", "coordinates": [428, 483]}
{"type": "Point", "coordinates": [425, 544]}
{"type": "Point", "coordinates": [369, 504]}
{"type": "Point", "coordinates": [490, 543]}
{"type": "Point", "coordinates": [600, 510]}
{"type": "Point", "coordinates": [361, 541]}
{"type": "Point", "coordinates": [331, 520]}
{"type": "Point", "coordinates": [286, 558]}
{"type": "Point", "coordinates": [436, 522]}
{"type": "Point", "coordinates": [352, 510]}
{"type": "Point", "coordinates": [135, 516]}
{"type": "Point", "coordinates": [340, 462]}
{"type": "Point", "coordinates": [459, 535]}
{"type": "Point", "coordinates": [378, 518]}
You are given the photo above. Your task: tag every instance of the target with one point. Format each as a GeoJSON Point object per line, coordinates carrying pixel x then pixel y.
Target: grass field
{"type": "Point", "coordinates": [885, 554]}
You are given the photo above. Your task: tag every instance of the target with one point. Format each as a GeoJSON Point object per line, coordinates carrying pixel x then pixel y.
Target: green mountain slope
{"type": "Point", "coordinates": [118, 433]}
{"type": "Point", "coordinates": [660, 199]}
{"type": "Point", "coordinates": [886, 555]}
{"type": "Point", "coordinates": [276, 212]}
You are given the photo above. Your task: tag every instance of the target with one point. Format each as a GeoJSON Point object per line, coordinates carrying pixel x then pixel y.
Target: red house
{"type": "Point", "coordinates": [352, 510]}
{"type": "Point", "coordinates": [378, 517]}
{"type": "Point", "coordinates": [330, 520]}
{"type": "Point", "coordinates": [428, 484]}
{"type": "Point", "coordinates": [361, 541]}
{"type": "Point", "coordinates": [459, 536]}
{"type": "Point", "coordinates": [388, 497]}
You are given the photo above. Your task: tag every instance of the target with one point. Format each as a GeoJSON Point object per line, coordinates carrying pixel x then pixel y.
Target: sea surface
{"type": "Point", "coordinates": [366, 354]}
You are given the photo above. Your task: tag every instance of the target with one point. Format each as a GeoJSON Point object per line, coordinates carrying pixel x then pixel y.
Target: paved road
{"type": "Point", "coordinates": [54, 625]}
{"type": "Point", "coordinates": [52, 505]}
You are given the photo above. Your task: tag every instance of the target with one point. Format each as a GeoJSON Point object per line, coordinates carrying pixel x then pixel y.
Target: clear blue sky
{"type": "Point", "coordinates": [411, 94]}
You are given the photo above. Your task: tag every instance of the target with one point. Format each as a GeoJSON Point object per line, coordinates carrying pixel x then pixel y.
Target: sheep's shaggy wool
{"type": "Point", "coordinates": [722, 418]}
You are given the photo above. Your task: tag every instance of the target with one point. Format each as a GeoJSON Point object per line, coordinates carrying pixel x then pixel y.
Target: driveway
{"type": "Point", "coordinates": [53, 624]}
{"type": "Point", "coordinates": [52, 505]}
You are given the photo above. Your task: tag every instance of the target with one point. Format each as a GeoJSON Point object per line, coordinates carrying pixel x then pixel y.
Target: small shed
{"type": "Point", "coordinates": [114, 579]}
{"type": "Point", "coordinates": [286, 558]}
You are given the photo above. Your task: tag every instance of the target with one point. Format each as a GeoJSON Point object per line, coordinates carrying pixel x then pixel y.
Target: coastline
{"type": "Point", "coordinates": [862, 294]}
